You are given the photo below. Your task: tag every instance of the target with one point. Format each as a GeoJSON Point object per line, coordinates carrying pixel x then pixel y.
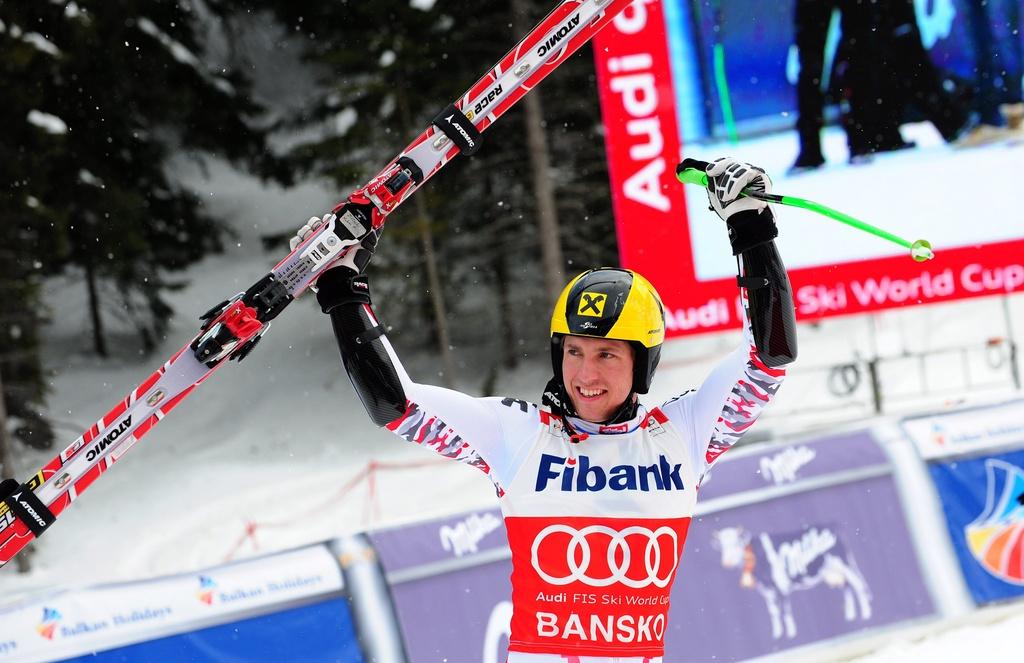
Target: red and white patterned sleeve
{"type": "Point", "coordinates": [728, 402]}
{"type": "Point", "coordinates": [489, 434]}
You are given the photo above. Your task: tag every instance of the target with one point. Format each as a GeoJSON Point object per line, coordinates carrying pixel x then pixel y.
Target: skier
{"type": "Point", "coordinates": [597, 490]}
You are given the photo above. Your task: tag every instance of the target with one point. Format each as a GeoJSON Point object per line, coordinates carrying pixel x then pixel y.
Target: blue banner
{"type": "Point", "coordinates": [319, 632]}
{"type": "Point", "coordinates": [981, 498]}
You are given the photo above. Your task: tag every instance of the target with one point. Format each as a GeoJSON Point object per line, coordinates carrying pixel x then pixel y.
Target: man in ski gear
{"type": "Point", "coordinates": [597, 490]}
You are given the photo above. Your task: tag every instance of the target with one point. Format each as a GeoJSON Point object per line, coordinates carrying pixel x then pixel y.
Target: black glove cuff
{"type": "Point", "coordinates": [751, 228]}
{"type": "Point", "coordinates": [340, 286]}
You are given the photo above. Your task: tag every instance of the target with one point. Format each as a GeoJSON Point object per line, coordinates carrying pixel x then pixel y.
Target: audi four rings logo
{"type": "Point", "coordinates": [619, 555]}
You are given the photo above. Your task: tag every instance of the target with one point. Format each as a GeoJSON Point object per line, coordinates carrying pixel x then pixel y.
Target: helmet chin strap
{"type": "Point", "coordinates": [625, 412]}
{"type": "Point", "coordinates": [556, 398]}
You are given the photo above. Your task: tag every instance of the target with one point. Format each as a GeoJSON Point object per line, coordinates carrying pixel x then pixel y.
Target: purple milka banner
{"type": "Point", "coordinates": [458, 617]}
{"type": "Point", "coordinates": [437, 540]}
{"type": "Point", "coordinates": [795, 570]}
{"type": "Point", "coordinates": [783, 464]}
{"type": "Point", "coordinates": [461, 616]}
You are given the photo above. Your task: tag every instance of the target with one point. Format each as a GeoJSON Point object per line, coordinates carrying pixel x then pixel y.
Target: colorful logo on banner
{"type": "Point", "coordinates": [985, 521]}
{"type": "Point", "coordinates": [48, 626]}
{"type": "Point", "coordinates": [782, 566]}
{"type": "Point", "coordinates": [996, 537]}
{"type": "Point", "coordinates": [206, 589]}
{"type": "Point", "coordinates": [211, 593]}
{"type": "Point", "coordinates": [967, 431]}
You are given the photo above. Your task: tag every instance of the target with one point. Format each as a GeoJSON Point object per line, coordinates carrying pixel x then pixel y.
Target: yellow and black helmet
{"type": "Point", "coordinates": [612, 303]}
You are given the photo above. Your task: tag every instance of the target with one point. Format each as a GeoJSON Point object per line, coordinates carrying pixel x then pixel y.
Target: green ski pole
{"type": "Point", "coordinates": [693, 171]}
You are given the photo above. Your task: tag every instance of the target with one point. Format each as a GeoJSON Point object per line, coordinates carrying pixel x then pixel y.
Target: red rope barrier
{"type": "Point", "coordinates": [371, 508]}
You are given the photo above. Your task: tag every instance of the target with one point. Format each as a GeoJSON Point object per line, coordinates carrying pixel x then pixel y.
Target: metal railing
{"type": "Point", "coordinates": [898, 383]}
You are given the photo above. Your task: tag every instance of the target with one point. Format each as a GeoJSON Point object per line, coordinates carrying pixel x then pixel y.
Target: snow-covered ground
{"type": "Point", "coordinates": [269, 453]}
{"type": "Point", "coordinates": [994, 633]}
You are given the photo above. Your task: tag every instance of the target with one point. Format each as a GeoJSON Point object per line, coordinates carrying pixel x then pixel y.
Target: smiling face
{"type": "Point", "coordinates": [598, 374]}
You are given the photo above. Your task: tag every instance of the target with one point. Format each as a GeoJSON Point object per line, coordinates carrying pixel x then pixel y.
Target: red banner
{"type": "Point", "coordinates": [643, 147]}
{"type": "Point", "coordinates": [642, 141]}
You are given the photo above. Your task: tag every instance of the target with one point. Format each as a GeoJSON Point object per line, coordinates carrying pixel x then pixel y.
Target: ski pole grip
{"type": "Point", "coordinates": [693, 171]}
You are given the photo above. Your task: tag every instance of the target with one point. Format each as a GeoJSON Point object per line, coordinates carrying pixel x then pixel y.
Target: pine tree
{"type": "Point", "coordinates": [102, 96]}
{"type": "Point", "coordinates": [98, 97]}
{"type": "Point", "coordinates": [496, 243]}
{"type": "Point", "coordinates": [381, 57]}
{"type": "Point", "coordinates": [380, 88]}
{"type": "Point", "coordinates": [23, 388]}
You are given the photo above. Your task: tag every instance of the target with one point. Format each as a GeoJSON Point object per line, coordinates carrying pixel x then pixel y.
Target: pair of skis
{"type": "Point", "coordinates": [231, 329]}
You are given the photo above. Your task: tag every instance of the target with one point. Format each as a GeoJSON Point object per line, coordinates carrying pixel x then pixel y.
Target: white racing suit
{"type": "Point", "coordinates": [596, 526]}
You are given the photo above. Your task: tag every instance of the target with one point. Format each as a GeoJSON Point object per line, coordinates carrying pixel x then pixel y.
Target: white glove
{"type": "Point", "coordinates": [727, 177]}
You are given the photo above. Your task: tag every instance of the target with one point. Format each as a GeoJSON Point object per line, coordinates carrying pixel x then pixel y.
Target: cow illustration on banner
{"type": "Point", "coordinates": [778, 566]}
{"type": "Point", "coordinates": [996, 537]}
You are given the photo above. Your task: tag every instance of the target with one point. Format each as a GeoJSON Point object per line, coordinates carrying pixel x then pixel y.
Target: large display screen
{"type": "Point", "coordinates": [664, 69]}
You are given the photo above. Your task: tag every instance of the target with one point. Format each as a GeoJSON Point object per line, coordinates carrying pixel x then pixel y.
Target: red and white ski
{"type": "Point", "coordinates": [232, 328]}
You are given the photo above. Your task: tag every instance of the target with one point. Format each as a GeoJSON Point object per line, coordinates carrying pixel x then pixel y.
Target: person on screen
{"type": "Point", "coordinates": [883, 70]}
{"type": "Point", "coordinates": [997, 71]}
{"type": "Point", "coordinates": [597, 490]}
{"type": "Point", "coordinates": [910, 78]}
{"type": "Point", "coordinates": [810, 25]}
{"type": "Point", "coordinates": [857, 78]}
